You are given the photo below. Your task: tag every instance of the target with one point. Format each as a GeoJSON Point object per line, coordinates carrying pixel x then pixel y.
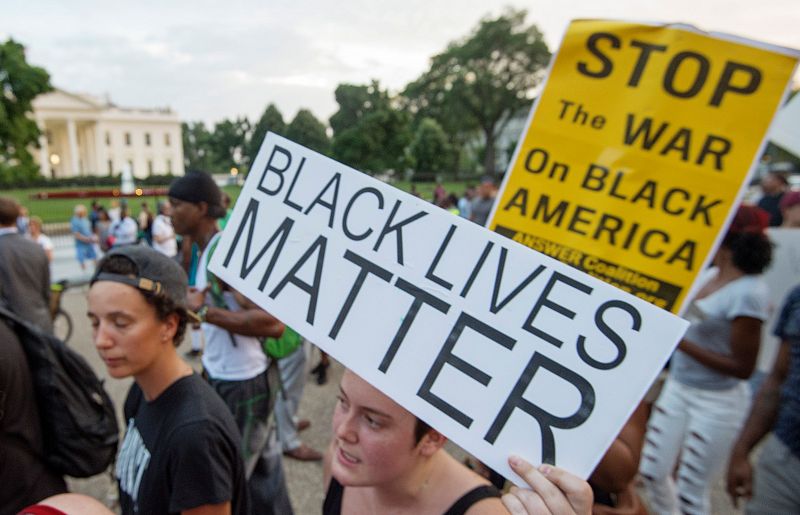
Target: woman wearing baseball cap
{"type": "Point", "coordinates": [180, 453]}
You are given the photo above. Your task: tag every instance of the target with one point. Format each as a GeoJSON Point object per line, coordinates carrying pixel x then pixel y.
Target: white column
{"type": "Point", "coordinates": [73, 147]}
{"type": "Point", "coordinates": [99, 150]}
{"type": "Point", "coordinates": [44, 149]}
{"type": "Point", "coordinates": [177, 155]}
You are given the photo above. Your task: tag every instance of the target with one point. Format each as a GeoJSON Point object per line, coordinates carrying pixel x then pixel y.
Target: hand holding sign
{"type": "Point", "coordinates": [552, 490]}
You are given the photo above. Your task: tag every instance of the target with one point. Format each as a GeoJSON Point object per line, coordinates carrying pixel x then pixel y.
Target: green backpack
{"type": "Point", "coordinates": [281, 347]}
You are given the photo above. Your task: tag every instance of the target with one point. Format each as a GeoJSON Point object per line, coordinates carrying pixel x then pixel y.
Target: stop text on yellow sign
{"type": "Point", "coordinates": [637, 152]}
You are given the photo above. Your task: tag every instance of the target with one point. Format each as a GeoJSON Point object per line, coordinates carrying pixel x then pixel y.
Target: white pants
{"type": "Point", "coordinates": [697, 427]}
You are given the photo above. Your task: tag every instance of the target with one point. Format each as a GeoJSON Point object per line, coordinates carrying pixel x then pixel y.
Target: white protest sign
{"type": "Point", "coordinates": [785, 131]}
{"type": "Point", "coordinates": [503, 350]}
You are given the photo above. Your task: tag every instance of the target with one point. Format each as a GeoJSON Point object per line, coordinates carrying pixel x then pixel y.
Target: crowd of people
{"type": "Point", "coordinates": [204, 443]}
{"type": "Point", "coordinates": [101, 229]}
{"type": "Point", "coordinates": [474, 204]}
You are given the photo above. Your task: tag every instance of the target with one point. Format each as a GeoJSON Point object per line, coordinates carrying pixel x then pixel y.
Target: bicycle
{"type": "Point", "coordinates": [62, 322]}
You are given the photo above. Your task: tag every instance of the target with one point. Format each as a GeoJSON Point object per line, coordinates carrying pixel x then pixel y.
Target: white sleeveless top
{"type": "Point", "coordinates": [221, 358]}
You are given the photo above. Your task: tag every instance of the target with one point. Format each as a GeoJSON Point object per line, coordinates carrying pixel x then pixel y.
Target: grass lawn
{"type": "Point", "coordinates": [49, 210]}
{"type": "Point", "coordinates": [60, 210]}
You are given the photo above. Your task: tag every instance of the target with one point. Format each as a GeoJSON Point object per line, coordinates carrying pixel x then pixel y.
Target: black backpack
{"type": "Point", "coordinates": [79, 425]}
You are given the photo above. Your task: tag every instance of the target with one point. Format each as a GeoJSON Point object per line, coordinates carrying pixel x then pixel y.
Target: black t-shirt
{"type": "Point", "coordinates": [181, 451]}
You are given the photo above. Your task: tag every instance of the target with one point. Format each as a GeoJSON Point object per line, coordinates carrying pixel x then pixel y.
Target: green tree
{"type": "Point", "coordinates": [271, 120]}
{"type": "Point", "coordinates": [197, 150]}
{"type": "Point", "coordinates": [483, 80]}
{"type": "Point", "coordinates": [370, 132]}
{"type": "Point", "coordinates": [20, 83]}
{"type": "Point", "coordinates": [423, 101]}
{"type": "Point", "coordinates": [355, 102]}
{"type": "Point", "coordinates": [306, 130]}
{"type": "Point", "coordinates": [228, 143]}
{"type": "Point", "coordinates": [430, 150]}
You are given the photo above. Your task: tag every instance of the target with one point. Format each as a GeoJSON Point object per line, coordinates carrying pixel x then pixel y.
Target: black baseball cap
{"type": "Point", "coordinates": [155, 273]}
{"type": "Point", "coordinates": [196, 187]}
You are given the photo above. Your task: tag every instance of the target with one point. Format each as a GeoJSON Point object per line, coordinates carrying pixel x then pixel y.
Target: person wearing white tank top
{"type": "Point", "coordinates": [228, 355]}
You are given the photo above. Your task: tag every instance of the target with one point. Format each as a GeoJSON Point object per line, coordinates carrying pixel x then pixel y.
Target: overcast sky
{"type": "Point", "coordinates": [210, 60]}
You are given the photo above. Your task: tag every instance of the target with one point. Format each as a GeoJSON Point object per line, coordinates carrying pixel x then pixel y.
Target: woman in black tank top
{"type": "Point", "coordinates": [383, 459]}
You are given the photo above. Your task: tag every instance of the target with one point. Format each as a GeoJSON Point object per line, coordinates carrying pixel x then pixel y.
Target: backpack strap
{"type": "Point", "coordinates": [214, 284]}
{"type": "Point", "coordinates": [194, 257]}
{"type": "Point", "coordinates": [12, 317]}
{"type": "Point", "coordinates": [215, 287]}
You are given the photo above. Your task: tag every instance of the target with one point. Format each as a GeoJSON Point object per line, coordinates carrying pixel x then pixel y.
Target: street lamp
{"type": "Point", "coordinates": [55, 159]}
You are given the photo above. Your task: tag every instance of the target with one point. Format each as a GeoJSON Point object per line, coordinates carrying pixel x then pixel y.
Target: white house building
{"type": "Point", "coordinates": [84, 135]}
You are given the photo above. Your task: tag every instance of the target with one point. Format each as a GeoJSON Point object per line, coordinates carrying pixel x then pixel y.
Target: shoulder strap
{"type": "Point", "coordinates": [473, 496]}
{"type": "Point", "coordinates": [12, 317]}
{"type": "Point", "coordinates": [333, 498]}
{"type": "Point", "coordinates": [215, 287]}
{"type": "Point", "coordinates": [193, 263]}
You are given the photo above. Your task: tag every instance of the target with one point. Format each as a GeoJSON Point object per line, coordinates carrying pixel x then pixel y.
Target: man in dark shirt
{"type": "Point", "coordinates": [776, 485]}
{"type": "Point", "coordinates": [233, 326]}
{"type": "Point", "coordinates": [24, 476]}
{"type": "Point", "coordinates": [774, 185]}
{"type": "Point", "coordinates": [24, 270]}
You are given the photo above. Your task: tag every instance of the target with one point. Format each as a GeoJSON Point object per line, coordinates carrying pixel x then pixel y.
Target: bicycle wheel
{"type": "Point", "coordinates": [62, 325]}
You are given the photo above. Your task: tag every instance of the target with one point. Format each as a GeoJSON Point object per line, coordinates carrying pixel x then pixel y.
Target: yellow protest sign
{"type": "Point", "coordinates": [637, 150]}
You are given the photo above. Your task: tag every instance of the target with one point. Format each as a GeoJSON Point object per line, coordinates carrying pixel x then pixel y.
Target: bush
{"type": "Point", "coordinates": [87, 181]}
